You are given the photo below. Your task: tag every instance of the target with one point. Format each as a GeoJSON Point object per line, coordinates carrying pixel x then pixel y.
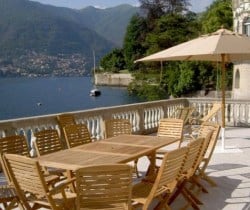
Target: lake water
{"type": "Point", "coordinates": [23, 97]}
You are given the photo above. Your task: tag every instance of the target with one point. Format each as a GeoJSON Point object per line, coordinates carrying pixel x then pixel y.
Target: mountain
{"type": "Point", "coordinates": [111, 23]}
{"type": "Point", "coordinates": [27, 26]}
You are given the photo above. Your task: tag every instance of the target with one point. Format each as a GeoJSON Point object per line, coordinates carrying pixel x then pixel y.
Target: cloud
{"type": "Point", "coordinates": [99, 7]}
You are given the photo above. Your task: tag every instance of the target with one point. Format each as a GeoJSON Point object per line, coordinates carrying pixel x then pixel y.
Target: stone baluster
{"type": "Point", "coordinates": [136, 122]}
{"type": "Point", "coordinates": [243, 113]}
{"type": "Point", "coordinates": [237, 114]}
{"type": "Point", "coordinates": [234, 108]}
{"type": "Point", "coordinates": [248, 119]}
{"type": "Point", "coordinates": [99, 132]}
{"type": "Point", "coordinates": [226, 114]}
{"type": "Point", "coordinates": [146, 119]}
{"type": "Point", "coordinates": [231, 119]}
{"type": "Point", "coordinates": [150, 118]}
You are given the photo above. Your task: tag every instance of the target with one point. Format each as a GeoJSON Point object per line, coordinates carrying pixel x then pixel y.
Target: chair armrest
{"type": "Point", "coordinates": [63, 185]}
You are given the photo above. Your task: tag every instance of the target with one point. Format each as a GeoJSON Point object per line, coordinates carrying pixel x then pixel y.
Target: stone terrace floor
{"type": "Point", "coordinates": [230, 169]}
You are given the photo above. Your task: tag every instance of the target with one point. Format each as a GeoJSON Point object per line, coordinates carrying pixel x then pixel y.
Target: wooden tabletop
{"type": "Point", "coordinates": [119, 149]}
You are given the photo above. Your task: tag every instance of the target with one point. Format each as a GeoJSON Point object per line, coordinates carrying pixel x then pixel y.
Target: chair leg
{"type": "Point", "coordinates": [136, 168]}
{"type": "Point", "coordinates": [196, 200]}
{"type": "Point", "coordinates": [190, 199]}
{"type": "Point", "coordinates": [195, 180]}
{"type": "Point", "coordinates": [208, 179]}
{"type": "Point", "coordinates": [176, 193]}
{"type": "Point", "coordinates": [163, 203]}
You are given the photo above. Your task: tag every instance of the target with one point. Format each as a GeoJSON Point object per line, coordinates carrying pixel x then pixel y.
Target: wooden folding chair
{"type": "Point", "coordinates": [31, 187]}
{"type": "Point", "coordinates": [76, 135]}
{"type": "Point", "coordinates": [169, 127]}
{"type": "Point", "coordinates": [208, 152]}
{"type": "Point", "coordinates": [211, 113]}
{"type": "Point", "coordinates": [115, 127]}
{"type": "Point", "coordinates": [144, 192]}
{"type": "Point", "coordinates": [199, 119]}
{"type": "Point", "coordinates": [184, 113]}
{"type": "Point", "coordinates": [104, 187]}
{"type": "Point", "coordinates": [193, 155]}
{"type": "Point", "coordinates": [46, 142]}
{"type": "Point", "coordinates": [8, 196]}
{"type": "Point", "coordinates": [63, 120]}
{"type": "Point", "coordinates": [17, 144]}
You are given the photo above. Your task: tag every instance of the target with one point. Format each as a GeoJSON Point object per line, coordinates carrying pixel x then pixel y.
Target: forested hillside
{"type": "Point", "coordinates": [111, 23]}
{"type": "Point", "coordinates": [28, 28]}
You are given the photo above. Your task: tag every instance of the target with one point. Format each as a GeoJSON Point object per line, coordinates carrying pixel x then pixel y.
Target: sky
{"type": "Point", "coordinates": [197, 5]}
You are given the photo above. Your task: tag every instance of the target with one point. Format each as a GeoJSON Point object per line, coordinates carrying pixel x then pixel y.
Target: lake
{"type": "Point", "coordinates": [24, 97]}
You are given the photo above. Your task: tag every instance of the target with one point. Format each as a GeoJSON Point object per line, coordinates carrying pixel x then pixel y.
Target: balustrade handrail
{"type": "Point", "coordinates": [144, 116]}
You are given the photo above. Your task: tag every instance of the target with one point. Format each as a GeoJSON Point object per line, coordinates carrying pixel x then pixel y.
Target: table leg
{"type": "Point", "coordinates": [70, 175]}
{"type": "Point", "coordinates": [152, 166]}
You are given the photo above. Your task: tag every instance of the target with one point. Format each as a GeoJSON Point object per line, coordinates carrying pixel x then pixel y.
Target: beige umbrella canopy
{"type": "Point", "coordinates": [221, 46]}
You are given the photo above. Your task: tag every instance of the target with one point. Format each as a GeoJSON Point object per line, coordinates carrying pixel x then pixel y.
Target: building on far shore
{"type": "Point", "coordinates": [241, 74]}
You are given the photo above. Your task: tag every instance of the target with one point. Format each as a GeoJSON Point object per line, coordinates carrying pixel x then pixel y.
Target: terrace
{"type": "Point", "coordinates": [230, 168]}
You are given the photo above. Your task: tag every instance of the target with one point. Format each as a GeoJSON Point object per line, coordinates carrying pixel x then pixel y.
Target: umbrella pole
{"type": "Point", "coordinates": [161, 72]}
{"type": "Point", "coordinates": [223, 96]}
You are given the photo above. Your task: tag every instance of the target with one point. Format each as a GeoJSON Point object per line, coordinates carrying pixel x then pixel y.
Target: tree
{"type": "Point", "coordinates": [133, 42]}
{"type": "Point", "coordinates": [156, 8]}
{"type": "Point", "coordinates": [170, 30]}
{"type": "Point", "coordinates": [189, 76]}
{"type": "Point", "coordinates": [217, 15]}
{"type": "Point", "coordinates": [114, 61]}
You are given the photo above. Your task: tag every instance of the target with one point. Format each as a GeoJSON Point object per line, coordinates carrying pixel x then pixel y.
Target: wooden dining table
{"type": "Point", "coordinates": [119, 149]}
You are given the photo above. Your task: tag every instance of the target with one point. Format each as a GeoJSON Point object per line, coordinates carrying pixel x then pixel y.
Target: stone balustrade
{"type": "Point", "coordinates": [144, 117]}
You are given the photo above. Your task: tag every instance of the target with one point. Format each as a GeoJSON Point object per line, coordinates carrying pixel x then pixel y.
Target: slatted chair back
{"type": "Point", "coordinates": [65, 119]}
{"type": "Point", "coordinates": [28, 179]}
{"type": "Point", "coordinates": [47, 141]}
{"type": "Point", "coordinates": [212, 112]}
{"type": "Point", "coordinates": [8, 196]}
{"type": "Point", "coordinates": [205, 128]}
{"type": "Point", "coordinates": [209, 149]}
{"type": "Point", "coordinates": [183, 113]}
{"type": "Point", "coordinates": [171, 127]}
{"type": "Point", "coordinates": [26, 176]}
{"type": "Point", "coordinates": [195, 149]}
{"type": "Point", "coordinates": [104, 187]}
{"type": "Point", "coordinates": [15, 144]}
{"type": "Point", "coordinates": [115, 127]}
{"type": "Point", "coordinates": [76, 135]}
{"type": "Point", "coordinates": [166, 180]}
{"type": "Point", "coordinates": [169, 171]}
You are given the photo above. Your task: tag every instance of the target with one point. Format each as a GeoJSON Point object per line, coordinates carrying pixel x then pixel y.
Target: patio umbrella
{"type": "Point", "coordinates": [221, 46]}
